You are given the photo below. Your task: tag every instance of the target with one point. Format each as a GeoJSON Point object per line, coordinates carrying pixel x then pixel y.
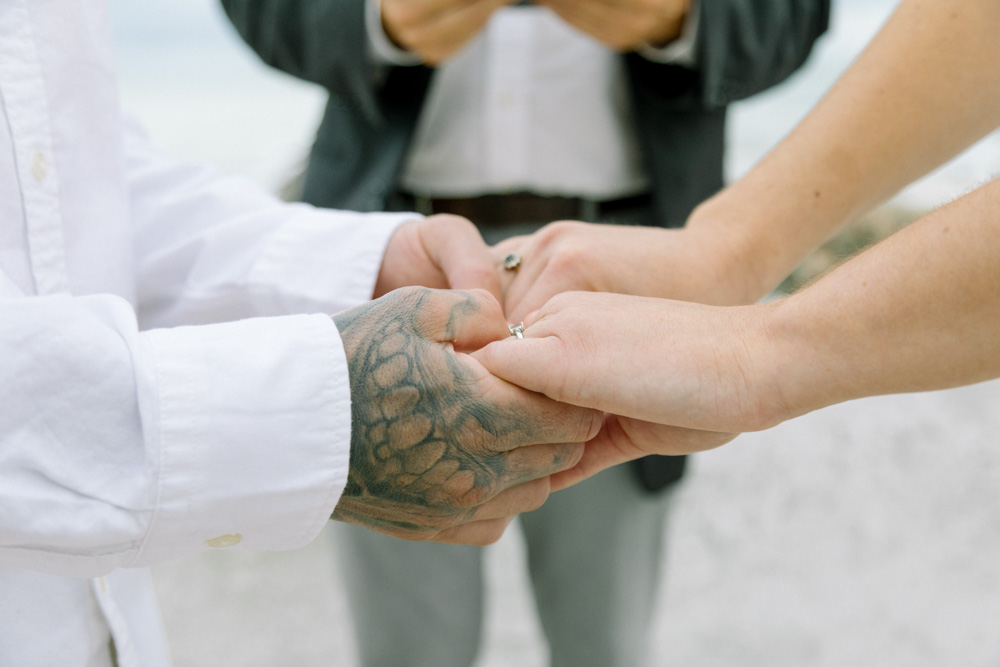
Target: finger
{"type": "Point", "coordinates": [591, 464]}
{"type": "Point", "coordinates": [413, 21]}
{"type": "Point", "coordinates": [531, 462]}
{"type": "Point", "coordinates": [467, 18]}
{"type": "Point", "coordinates": [455, 245]}
{"type": "Point", "coordinates": [477, 533]}
{"type": "Point", "coordinates": [499, 252]}
{"type": "Point", "coordinates": [530, 295]}
{"type": "Point", "coordinates": [466, 319]}
{"type": "Point", "coordinates": [490, 519]}
{"type": "Point", "coordinates": [515, 417]}
{"type": "Point", "coordinates": [608, 449]}
{"type": "Point", "coordinates": [509, 244]}
{"type": "Point", "coordinates": [605, 23]}
{"type": "Point", "coordinates": [453, 29]}
{"type": "Point", "coordinates": [552, 263]}
{"type": "Point", "coordinates": [538, 364]}
{"type": "Point", "coordinates": [423, 11]}
{"type": "Point", "coordinates": [533, 267]}
{"type": "Point", "coordinates": [517, 499]}
{"type": "Point", "coordinates": [624, 439]}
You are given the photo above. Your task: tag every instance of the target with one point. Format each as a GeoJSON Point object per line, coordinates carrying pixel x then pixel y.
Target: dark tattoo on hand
{"type": "Point", "coordinates": [420, 428]}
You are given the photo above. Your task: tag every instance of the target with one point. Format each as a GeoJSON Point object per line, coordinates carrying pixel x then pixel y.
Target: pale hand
{"type": "Point", "coordinates": [691, 264]}
{"type": "Point", "coordinates": [681, 377]}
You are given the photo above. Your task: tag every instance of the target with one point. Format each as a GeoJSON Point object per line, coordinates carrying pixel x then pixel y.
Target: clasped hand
{"type": "Point", "coordinates": [436, 30]}
{"type": "Point", "coordinates": [457, 426]}
{"type": "Point", "coordinates": [441, 449]}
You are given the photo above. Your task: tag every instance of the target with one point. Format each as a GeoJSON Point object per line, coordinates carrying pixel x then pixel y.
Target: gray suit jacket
{"type": "Point", "coordinates": [743, 47]}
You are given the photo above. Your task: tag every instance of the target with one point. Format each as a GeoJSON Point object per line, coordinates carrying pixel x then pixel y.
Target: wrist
{"type": "Point", "coordinates": [728, 258]}
{"type": "Point", "coordinates": [761, 236]}
{"type": "Point", "coordinates": [755, 375]}
{"type": "Point", "coordinates": [800, 364]}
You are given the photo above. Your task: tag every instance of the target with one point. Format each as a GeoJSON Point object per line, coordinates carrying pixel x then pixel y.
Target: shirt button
{"type": "Point", "coordinates": [224, 541]}
{"type": "Point", "coordinates": [38, 167]}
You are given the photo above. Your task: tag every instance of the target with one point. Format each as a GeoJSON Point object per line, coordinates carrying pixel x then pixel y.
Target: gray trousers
{"type": "Point", "coordinates": [594, 556]}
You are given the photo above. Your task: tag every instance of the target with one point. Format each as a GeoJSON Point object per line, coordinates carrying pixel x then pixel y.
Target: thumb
{"type": "Point", "coordinates": [467, 319]}
{"type": "Point", "coordinates": [455, 245]}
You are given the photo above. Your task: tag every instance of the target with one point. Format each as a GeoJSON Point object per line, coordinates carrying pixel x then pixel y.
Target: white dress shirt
{"type": "Point", "coordinates": [532, 104]}
{"type": "Point", "coordinates": [123, 445]}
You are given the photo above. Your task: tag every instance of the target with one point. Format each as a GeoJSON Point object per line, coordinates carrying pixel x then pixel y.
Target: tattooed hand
{"type": "Point", "coordinates": [438, 443]}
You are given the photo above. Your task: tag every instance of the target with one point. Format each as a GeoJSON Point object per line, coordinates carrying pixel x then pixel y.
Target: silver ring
{"type": "Point", "coordinates": [511, 261]}
{"type": "Point", "coordinates": [516, 329]}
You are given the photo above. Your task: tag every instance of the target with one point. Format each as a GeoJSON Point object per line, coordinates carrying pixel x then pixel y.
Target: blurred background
{"type": "Point", "coordinates": [868, 533]}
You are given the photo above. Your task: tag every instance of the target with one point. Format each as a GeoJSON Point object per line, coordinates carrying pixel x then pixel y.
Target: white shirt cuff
{"type": "Point", "coordinates": [323, 260]}
{"type": "Point", "coordinates": [254, 454]}
{"type": "Point", "coordinates": [682, 50]}
{"type": "Point", "coordinates": [385, 52]}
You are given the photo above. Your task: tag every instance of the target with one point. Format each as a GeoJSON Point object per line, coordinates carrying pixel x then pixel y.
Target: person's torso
{"type": "Point", "coordinates": [530, 104]}
{"type": "Point", "coordinates": [64, 221]}
{"type": "Point", "coordinates": [63, 198]}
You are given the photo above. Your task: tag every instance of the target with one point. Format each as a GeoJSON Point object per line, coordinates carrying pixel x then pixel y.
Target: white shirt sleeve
{"type": "Point", "coordinates": [125, 447]}
{"type": "Point", "coordinates": [212, 248]}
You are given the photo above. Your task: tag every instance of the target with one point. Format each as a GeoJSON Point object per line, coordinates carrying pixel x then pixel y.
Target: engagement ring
{"type": "Point", "coordinates": [511, 261]}
{"type": "Point", "coordinates": [516, 330]}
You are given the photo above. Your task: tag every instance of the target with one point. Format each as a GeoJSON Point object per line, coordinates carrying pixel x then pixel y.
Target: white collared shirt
{"type": "Point", "coordinates": [123, 445]}
{"type": "Point", "coordinates": [529, 104]}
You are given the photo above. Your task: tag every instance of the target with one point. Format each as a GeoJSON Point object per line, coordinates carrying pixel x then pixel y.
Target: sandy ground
{"type": "Point", "coordinates": [865, 534]}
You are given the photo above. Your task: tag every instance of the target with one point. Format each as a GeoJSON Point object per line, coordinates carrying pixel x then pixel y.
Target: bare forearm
{"type": "Point", "coordinates": [924, 90]}
{"type": "Point", "coordinates": [918, 312]}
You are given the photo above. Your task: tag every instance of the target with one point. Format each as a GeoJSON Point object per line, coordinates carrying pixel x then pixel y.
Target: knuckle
{"type": "Point", "coordinates": [408, 298]}
{"type": "Point", "coordinates": [470, 499]}
{"type": "Point", "coordinates": [562, 301]}
{"type": "Point", "coordinates": [492, 309]}
{"type": "Point", "coordinates": [556, 230]}
{"type": "Point", "coordinates": [408, 293]}
{"type": "Point", "coordinates": [485, 302]}
{"type": "Point", "coordinates": [568, 258]}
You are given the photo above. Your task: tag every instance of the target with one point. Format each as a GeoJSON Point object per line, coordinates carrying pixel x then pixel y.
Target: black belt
{"type": "Point", "coordinates": [525, 207]}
